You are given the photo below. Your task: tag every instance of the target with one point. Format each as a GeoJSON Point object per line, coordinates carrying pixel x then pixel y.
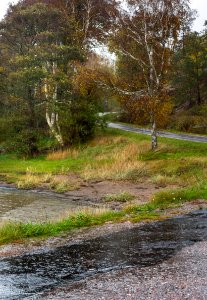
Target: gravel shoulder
{"type": "Point", "coordinates": [182, 277]}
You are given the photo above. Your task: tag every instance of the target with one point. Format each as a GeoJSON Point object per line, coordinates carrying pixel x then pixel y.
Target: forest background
{"type": "Point", "coordinates": [54, 85]}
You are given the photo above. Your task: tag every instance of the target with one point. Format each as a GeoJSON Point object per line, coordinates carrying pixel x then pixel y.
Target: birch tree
{"type": "Point", "coordinates": [146, 32]}
{"type": "Point", "coordinates": [40, 47]}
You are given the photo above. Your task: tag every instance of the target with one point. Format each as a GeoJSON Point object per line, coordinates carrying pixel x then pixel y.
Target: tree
{"type": "Point", "coordinates": [92, 17]}
{"type": "Point", "coordinates": [42, 42]}
{"type": "Point", "coordinates": [40, 46]}
{"type": "Point", "coordinates": [190, 70]}
{"type": "Point", "coordinates": [146, 33]}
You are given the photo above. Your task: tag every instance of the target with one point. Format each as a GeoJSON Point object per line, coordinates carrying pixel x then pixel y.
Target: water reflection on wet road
{"type": "Point", "coordinates": [143, 246]}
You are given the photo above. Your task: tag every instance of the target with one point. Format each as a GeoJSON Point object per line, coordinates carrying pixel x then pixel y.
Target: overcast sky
{"type": "Point", "coordinates": [200, 5]}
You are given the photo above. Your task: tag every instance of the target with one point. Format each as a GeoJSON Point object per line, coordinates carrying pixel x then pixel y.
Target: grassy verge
{"type": "Point", "coordinates": [11, 232]}
{"type": "Point", "coordinates": [18, 231]}
{"type": "Point", "coordinates": [116, 155]}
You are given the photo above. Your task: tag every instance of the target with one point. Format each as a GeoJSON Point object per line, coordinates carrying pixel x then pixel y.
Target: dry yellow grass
{"type": "Point", "coordinates": [164, 180]}
{"type": "Point", "coordinates": [107, 140]}
{"type": "Point", "coordinates": [63, 154]}
{"type": "Point", "coordinates": [29, 182]}
{"type": "Point", "coordinates": [61, 185]}
{"type": "Point", "coordinates": [30, 179]}
{"type": "Point", "coordinates": [119, 164]}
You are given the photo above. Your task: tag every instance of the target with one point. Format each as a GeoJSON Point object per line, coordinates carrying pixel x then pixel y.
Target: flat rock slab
{"type": "Point", "coordinates": [36, 206]}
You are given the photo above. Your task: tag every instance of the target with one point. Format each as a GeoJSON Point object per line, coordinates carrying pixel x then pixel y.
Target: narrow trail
{"type": "Point", "coordinates": [183, 137]}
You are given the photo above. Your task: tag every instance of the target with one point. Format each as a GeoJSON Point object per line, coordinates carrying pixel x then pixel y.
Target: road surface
{"type": "Point", "coordinates": [164, 260]}
{"type": "Point", "coordinates": [183, 137]}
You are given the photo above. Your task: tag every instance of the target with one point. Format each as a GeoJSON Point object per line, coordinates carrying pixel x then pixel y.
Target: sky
{"type": "Point", "coordinates": [199, 5]}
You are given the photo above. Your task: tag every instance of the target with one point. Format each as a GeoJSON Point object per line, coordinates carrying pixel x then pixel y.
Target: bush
{"type": "Point", "coordinates": [79, 121]}
{"type": "Point", "coordinates": [192, 120]}
{"type": "Point", "coordinates": [24, 143]}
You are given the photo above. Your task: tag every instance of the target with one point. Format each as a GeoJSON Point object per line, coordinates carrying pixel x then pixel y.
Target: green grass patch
{"type": "Point", "coordinates": [11, 232]}
{"type": "Point", "coordinates": [19, 231]}
{"type": "Point", "coordinates": [121, 197]}
{"type": "Point", "coordinates": [165, 199]}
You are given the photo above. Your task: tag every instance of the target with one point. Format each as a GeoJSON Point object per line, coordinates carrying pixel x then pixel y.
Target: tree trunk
{"type": "Point", "coordinates": [53, 124]}
{"type": "Point", "coordinates": [154, 136]}
{"type": "Point", "coordinates": [198, 100]}
{"type": "Point", "coordinates": [198, 94]}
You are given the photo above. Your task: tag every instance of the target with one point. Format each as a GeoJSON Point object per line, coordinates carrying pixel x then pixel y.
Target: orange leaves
{"type": "Point", "coordinates": [92, 76]}
{"type": "Point", "coordinates": [84, 80]}
{"type": "Point", "coordinates": [145, 109]}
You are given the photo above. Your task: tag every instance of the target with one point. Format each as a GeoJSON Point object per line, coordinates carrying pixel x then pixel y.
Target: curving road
{"type": "Point", "coordinates": [183, 137]}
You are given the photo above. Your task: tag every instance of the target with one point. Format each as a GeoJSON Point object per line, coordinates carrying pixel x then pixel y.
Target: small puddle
{"type": "Point", "coordinates": [30, 275]}
{"type": "Point", "coordinates": [32, 206]}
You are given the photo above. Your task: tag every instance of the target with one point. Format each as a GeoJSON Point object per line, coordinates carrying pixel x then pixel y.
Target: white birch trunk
{"type": "Point", "coordinates": [52, 117]}
{"type": "Point", "coordinates": [52, 121]}
{"type": "Point", "coordinates": [154, 136]}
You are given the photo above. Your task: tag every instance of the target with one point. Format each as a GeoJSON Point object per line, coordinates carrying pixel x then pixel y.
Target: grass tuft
{"type": "Point", "coordinates": [17, 231]}
{"type": "Point", "coordinates": [61, 185]}
{"type": "Point", "coordinates": [63, 154]}
{"type": "Point", "coordinates": [168, 198]}
{"type": "Point", "coordinates": [121, 197]}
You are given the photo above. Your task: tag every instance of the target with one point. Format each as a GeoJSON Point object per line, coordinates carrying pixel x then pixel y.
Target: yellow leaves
{"type": "Point", "coordinates": [142, 109]}
{"type": "Point", "coordinates": [162, 111]}
{"type": "Point", "coordinates": [92, 76]}
{"type": "Point", "coordinates": [84, 80]}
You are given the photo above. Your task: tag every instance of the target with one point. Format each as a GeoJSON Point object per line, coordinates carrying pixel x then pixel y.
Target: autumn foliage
{"type": "Point", "coordinates": [54, 85]}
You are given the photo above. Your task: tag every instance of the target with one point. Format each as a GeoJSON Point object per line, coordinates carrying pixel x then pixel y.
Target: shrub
{"type": "Point", "coordinates": [24, 144]}
{"type": "Point", "coordinates": [192, 120]}
{"type": "Point", "coordinates": [80, 121]}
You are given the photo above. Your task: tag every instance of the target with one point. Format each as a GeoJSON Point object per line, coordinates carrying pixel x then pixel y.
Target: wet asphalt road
{"type": "Point", "coordinates": [182, 277]}
{"type": "Point", "coordinates": [183, 137]}
{"type": "Point", "coordinates": [158, 260]}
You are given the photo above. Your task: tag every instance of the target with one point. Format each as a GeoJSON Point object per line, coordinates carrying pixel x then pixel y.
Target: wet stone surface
{"type": "Point", "coordinates": [138, 260]}
{"type": "Point", "coordinates": [33, 206]}
{"type": "Point", "coordinates": [40, 206]}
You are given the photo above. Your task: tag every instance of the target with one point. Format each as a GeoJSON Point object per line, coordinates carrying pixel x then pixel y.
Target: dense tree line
{"type": "Point", "coordinates": [51, 81]}
{"type": "Point", "coordinates": [42, 44]}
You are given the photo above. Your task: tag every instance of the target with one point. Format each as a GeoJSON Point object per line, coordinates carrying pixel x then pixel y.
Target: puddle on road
{"type": "Point", "coordinates": [147, 245]}
{"type": "Point", "coordinates": [31, 206]}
